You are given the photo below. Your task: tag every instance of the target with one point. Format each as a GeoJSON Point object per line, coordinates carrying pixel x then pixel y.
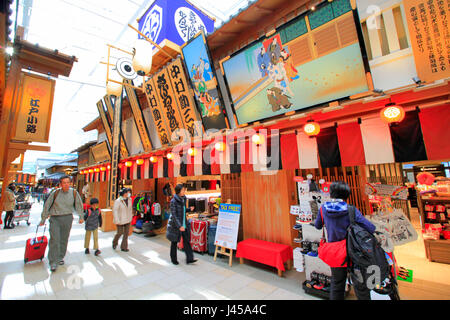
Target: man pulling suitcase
{"type": "Point", "coordinates": [60, 206]}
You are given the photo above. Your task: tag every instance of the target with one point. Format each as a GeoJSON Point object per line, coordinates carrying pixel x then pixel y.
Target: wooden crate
{"type": "Point", "coordinates": [107, 221]}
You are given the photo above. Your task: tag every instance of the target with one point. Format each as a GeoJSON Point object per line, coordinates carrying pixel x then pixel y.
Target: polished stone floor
{"type": "Point", "coordinates": [146, 272]}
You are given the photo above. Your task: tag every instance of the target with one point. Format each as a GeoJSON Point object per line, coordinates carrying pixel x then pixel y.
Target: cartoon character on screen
{"type": "Point", "coordinates": [209, 105]}
{"type": "Point", "coordinates": [277, 99]}
{"type": "Point", "coordinates": [291, 71]}
{"type": "Point", "coordinates": [263, 62]}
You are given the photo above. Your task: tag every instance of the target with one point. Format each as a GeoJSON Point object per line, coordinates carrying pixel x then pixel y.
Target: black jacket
{"type": "Point", "coordinates": [94, 220]}
{"type": "Point", "coordinates": [176, 218]}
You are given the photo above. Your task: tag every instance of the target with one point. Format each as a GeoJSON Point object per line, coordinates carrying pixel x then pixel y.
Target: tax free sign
{"type": "Point", "coordinates": [175, 20]}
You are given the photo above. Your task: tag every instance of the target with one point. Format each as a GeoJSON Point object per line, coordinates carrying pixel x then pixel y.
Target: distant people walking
{"type": "Point", "coordinates": [176, 227]}
{"type": "Point", "coordinates": [9, 205]}
{"type": "Point", "coordinates": [93, 220]}
{"type": "Point", "coordinates": [122, 216]}
{"type": "Point", "coordinates": [60, 206]}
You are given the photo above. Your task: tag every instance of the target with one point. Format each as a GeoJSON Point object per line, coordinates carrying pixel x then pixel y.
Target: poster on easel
{"type": "Point", "coordinates": [228, 225]}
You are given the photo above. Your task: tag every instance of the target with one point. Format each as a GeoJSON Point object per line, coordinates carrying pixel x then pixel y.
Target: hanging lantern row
{"type": "Point", "coordinates": [96, 169]}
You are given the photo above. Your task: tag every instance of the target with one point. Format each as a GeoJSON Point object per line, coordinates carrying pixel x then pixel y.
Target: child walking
{"type": "Point", "coordinates": [93, 220]}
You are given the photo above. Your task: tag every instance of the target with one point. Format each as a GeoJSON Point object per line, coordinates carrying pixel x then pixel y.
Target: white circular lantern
{"type": "Point", "coordinates": [113, 88]}
{"type": "Point", "coordinates": [142, 58]}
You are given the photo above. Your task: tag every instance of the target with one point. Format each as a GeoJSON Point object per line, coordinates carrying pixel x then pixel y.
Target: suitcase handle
{"type": "Point", "coordinates": [37, 228]}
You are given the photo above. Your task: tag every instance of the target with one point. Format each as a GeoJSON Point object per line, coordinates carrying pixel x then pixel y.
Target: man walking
{"type": "Point", "coordinates": [60, 206]}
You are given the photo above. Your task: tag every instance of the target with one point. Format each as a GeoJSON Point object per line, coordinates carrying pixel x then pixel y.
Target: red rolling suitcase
{"type": "Point", "coordinates": [35, 247]}
{"type": "Point", "coordinates": [199, 235]}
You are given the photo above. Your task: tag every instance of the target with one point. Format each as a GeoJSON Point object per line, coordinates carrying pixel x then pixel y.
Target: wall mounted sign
{"type": "Point", "coordinates": [204, 82]}
{"type": "Point", "coordinates": [430, 37]}
{"type": "Point", "coordinates": [35, 109]}
{"type": "Point", "coordinates": [157, 113]}
{"type": "Point", "coordinates": [167, 101]}
{"type": "Point", "coordinates": [115, 151]}
{"type": "Point", "coordinates": [104, 119]}
{"type": "Point", "coordinates": [138, 116]}
{"type": "Point", "coordinates": [109, 107]}
{"type": "Point", "coordinates": [101, 152]}
{"type": "Point", "coordinates": [299, 66]}
{"type": "Point", "coordinates": [175, 20]}
{"type": "Point", "coordinates": [184, 96]}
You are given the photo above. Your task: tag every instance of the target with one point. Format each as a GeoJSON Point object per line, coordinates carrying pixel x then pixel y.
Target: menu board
{"type": "Point", "coordinates": [430, 37]}
{"type": "Point", "coordinates": [228, 225]}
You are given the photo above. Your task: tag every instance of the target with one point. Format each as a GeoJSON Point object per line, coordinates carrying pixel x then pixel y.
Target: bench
{"type": "Point", "coordinates": [265, 252]}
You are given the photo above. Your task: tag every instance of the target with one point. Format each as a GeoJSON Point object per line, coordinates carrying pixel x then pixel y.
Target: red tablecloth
{"type": "Point", "coordinates": [269, 253]}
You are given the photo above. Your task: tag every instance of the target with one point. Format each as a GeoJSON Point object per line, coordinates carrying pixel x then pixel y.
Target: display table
{"type": "Point", "coordinates": [268, 253]}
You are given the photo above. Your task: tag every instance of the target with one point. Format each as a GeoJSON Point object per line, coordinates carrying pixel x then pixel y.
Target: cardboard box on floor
{"type": "Point", "coordinates": [107, 222]}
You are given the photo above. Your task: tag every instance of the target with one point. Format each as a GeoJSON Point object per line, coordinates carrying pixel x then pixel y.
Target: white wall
{"type": "Point", "coordinates": [397, 68]}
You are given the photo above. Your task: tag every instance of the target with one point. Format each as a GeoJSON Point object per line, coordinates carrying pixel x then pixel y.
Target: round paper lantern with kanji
{"type": "Point", "coordinates": [312, 129]}
{"type": "Point", "coordinates": [392, 113]}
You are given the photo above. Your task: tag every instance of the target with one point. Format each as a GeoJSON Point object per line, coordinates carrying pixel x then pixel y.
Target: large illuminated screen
{"type": "Point", "coordinates": [304, 63]}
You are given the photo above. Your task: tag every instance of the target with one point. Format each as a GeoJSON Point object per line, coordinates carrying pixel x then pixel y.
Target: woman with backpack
{"type": "Point", "coordinates": [334, 215]}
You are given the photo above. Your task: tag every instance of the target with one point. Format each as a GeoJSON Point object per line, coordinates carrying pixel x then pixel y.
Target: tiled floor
{"type": "Point", "coordinates": [143, 273]}
{"type": "Point", "coordinates": [146, 272]}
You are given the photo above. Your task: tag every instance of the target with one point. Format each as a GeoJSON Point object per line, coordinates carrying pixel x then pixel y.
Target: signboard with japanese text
{"type": "Point", "coordinates": [115, 149]}
{"type": "Point", "coordinates": [156, 111]}
{"type": "Point", "coordinates": [104, 119]}
{"type": "Point", "coordinates": [123, 146]}
{"type": "Point", "coordinates": [228, 225]}
{"type": "Point", "coordinates": [101, 152]}
{"type": "Point", "coordinates": [185, 99]}
{"type": "Point", "coordinates": [167, 101]}
{"type": "Point", "coordinates": [35, 109]}
{"type": "Point", "coordinates": [175, 20]}
{"type": "Point", "coordinates": [138, 116]}
{"type": "Point", "coordinates": [428, 24]}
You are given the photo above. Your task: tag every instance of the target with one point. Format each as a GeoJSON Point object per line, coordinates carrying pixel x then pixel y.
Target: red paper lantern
{"type": "Point", "coordinates": [258, 139]}
{"type": "Point", "coordinates": [96, 170]}
{"type": "Point", "coordinates": [192, 152]}
{"type": "Point", "coordinates": [312, 129]}
{"type": "Point", "coordinates": [153, 159]}
{"type": "Point", "coordinates": [139, 161]}
{"type": "Point", "coordinates": [219, 146]}
{"type": "Point", "coordinates": [128, 164]}
{"type": "Point", "coordinates": [170, 156]}
{"type": "Point", "coordinates": [91, 170]}
{"type": "Point", "coordinates": [392, 113]}
{"type": "Point", "coordinates": [102, 168]}
{"type": "Point", "coordinates": [109, 167]}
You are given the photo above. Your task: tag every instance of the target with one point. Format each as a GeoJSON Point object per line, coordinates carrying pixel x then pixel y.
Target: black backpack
{"type": "Point", "coordinates": [363, 251]}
